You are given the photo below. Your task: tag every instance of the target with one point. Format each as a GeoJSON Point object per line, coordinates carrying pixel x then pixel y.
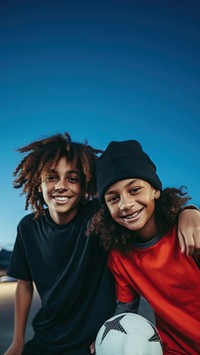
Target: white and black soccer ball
{"type": "Point", "coordinates": [128, 334]}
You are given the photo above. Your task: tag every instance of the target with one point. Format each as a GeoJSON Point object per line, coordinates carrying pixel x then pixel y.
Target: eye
{"type": "Point", "coordinates": [74, 179]}
{"type": "Point", "coordinates": [134, 190]}
{"type": "Point", "coordinates": [51, 178]}
{"type": "Point", "coordinates": [112, 199]}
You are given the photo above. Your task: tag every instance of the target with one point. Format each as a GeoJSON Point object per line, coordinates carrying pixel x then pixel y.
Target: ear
{"type": "Point", "coordinates": [157, 194]}
{"type": "Point", "coordinates": [39, 189]}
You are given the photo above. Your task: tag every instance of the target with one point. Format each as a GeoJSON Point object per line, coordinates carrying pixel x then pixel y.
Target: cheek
{"type": "Point", "coordinates": [151, 204]}
{"type": "Point", "coordinates": [150, 198]}
{"type": "Point", "coordinates": [112, 211]}
{"type": "Point", "coordinates": [79, 190]}
{"type": "Point", "coordinates": [44, 190]}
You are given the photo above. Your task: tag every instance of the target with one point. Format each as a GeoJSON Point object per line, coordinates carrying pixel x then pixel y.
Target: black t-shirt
{"type": "Point", "coordinates": [70, 272]}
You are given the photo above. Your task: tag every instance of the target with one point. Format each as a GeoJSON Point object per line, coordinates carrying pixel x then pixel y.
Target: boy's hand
{"type": "Point", "coordinates": [189, 231]}
{"type": "Point", "coordinates": [92, 348]}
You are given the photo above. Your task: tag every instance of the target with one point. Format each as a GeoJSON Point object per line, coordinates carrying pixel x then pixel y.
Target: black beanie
{"type": "Point", "coordinates": [124, 160]}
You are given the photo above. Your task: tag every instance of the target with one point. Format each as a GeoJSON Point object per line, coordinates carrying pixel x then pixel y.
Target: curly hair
{"type": "Point", "coordinates": [45, 153]}
{"type": "Point", "coordinates": [114, 236]}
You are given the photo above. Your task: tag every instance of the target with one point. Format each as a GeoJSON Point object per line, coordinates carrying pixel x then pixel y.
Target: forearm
{"type": "Point", "coordinates": [132, 307]}
{"type": "Point", "coordinates": [23, 299]}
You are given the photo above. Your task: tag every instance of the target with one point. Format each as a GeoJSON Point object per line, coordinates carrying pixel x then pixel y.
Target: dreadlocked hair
{"type": "Point", "coordinates": [45, 153]}
{"type": "Point", "coordinates": [113, 236]}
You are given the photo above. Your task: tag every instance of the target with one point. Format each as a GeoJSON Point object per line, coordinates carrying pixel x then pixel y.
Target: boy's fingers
{"type": "Point", "coordinates": [181, 242]}
{"type": "Point", "coordinates": [92, 348]}
{"type": "Point", "coordinates": [196, 239]}
{"type": "Point", "coordinates": [189, 247]}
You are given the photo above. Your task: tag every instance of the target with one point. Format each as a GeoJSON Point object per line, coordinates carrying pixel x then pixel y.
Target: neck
{"type": "Point", "coordinates": [63, 218]}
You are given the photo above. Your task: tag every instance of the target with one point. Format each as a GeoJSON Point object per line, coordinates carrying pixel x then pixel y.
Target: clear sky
{"type": "Point", "coordinates": [101, 70]}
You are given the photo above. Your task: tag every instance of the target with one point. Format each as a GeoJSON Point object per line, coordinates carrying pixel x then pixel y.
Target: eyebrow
{"type": "Point", "coordinates": [109, 192]}
{"type": "Point", "coordinates": [67, 172]}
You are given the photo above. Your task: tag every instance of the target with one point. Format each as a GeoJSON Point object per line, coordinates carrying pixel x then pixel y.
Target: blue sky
{"type": "Point", "coordinates": [101, 70]}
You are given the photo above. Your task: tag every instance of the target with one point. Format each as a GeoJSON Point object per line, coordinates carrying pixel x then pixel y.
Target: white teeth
{"type": "Point", "coordinates": [61, 198]}
{"type": "Point", "coordinates": [132, 216]}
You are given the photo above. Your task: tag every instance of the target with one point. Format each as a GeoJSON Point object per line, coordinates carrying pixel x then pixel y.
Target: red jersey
{"type": "Point", "coordinates": [170, 282]}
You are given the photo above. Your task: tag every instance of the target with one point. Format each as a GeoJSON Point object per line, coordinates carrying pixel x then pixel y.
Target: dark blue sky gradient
{"type": "Point", "coordinates": [101, 70]}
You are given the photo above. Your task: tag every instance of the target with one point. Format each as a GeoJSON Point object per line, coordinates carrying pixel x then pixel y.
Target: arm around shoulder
{"type": "Point", "coordinates": [189, 230]}
{"type": "Point", "coordinates": [23, 300]}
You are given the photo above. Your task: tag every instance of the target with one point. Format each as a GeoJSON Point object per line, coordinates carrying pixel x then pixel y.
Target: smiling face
{"type": "Point", "coordinates": [62, 191]}
{"type": "Point", "coordinates": [131, 203]}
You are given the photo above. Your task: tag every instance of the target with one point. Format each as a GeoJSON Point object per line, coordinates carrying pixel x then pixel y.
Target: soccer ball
{"type": "Point", "coordinates": [128, 334]}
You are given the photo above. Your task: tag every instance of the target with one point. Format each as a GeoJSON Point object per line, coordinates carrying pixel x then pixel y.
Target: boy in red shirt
{"type": "Point", "coordinates": [138, 225]}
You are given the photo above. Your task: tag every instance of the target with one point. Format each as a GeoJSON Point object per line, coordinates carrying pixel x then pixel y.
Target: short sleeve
{"type": "Point", "coordinates": [124, 291]}
{"type": "Point", "coordinates": [18, 266]}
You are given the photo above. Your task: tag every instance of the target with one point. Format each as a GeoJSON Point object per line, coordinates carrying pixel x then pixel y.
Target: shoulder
{"type": "Point", "coordinates": [30, 220]}
{"type": "Point", "coordinates": [114, 255]}
{"type": "Point", "coordinates": [114, 259]}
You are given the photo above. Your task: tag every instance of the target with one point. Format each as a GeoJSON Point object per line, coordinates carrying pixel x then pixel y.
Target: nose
{"type": "Point", "coordinates": [125, 204]}
{"type": "Point", "coordinates": [61, 185]}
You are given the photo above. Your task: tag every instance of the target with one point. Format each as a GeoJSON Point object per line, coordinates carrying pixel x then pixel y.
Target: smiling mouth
{"type": "Point", "coordinates": [61, 198]}
{"type": "Point", "coordinates": [131, 216]}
